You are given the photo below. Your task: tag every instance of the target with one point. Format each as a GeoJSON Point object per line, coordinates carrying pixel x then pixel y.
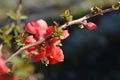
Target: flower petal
{"type": "Point", "coordinates": [37, 55]}
{"type": "Point", "coordinates": [49, 30]}
{"type": "Point", "coordinates": [30, 27]}
{"type": "Point", "coordinates": [40, 34]}
{"type": "Point", "coordinates": [42, 23]}
{"type": "Point", "coordinates": [3, 67]}
{"type": "Point", "coordinates": [30, 39]}
{"type": "Point", "coordinates": [65, 34]}
{"type": "Point", "coordinates": [56, 55]}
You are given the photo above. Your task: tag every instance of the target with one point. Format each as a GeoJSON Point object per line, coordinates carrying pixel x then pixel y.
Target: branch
{"type": "Point", "coordinates": [1, 46]}
{"type": "Point", "coordinates": [77, 21]}
{"type": "Point", "coordinates": [23, 48]}
{"type": "Point", "coordinates": [18, 12]}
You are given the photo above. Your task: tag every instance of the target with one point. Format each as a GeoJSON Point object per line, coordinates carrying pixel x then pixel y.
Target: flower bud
{"type": "Point", "coordinates": [90, 25]}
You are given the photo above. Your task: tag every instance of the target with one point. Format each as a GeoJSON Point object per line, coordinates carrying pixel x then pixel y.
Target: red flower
{"type": "Point", "coordinates": [30, 28]}
{"type": "Point", "coordinates": [49, 52]}
{"type": "Point", "coordinates": [4, 71]}
{"type": "Point", "coordinates": [3, 67]}
{"type": "Point", "coordinates": [54, 54]}
{"type": "Point", "coordinates": [90, 25]}
{"type": "Point", "coordinates": [39, 28]}
{"type": "Point", "coordinates": [37, 55]}
{"type": "Point", "coordinates": [49, 30]}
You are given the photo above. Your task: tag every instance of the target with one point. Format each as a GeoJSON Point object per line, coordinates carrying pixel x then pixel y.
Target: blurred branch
{"type": "Point", "coordinates": [77, 21]}
{"type": "Point", "coordinates": [18, 12]}
{"type": "Point", "coordinates": [1, 46]}
{"type": "Point", "coordinates": [9, 30]}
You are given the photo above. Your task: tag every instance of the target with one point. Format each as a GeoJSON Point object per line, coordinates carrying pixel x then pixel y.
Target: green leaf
{"type": "Point", "coordinates": [19, 43]}
{"type": "Point", "coordinates": [67, 16]}
{"type": "Point", "coordinates": [20, 39]}
{"type": "Point", "coordinates": [24, 56]}
{"type": "Point", "coordinates": [18, 62]}
{"type": "Point", "coordinates": [96, 9]}
{"type": "Point", "coordinates": [5, 29]}
{"type": "Point", "coordinates": [12, 15]}
{"type": "Point", "coordinates": [23, 17]}
{"type": "Point", "coordinates": [21, 73]}
{"type": "Point", "coordinates": [1, 31]}
{"type": "Point", "coordinates": [61, 37]}
{"type": "Point", "coordinates": [7, 39]}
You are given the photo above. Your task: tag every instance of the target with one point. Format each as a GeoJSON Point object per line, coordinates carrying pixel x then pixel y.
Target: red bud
{"type": "Point", "coordinates": [90, 25]}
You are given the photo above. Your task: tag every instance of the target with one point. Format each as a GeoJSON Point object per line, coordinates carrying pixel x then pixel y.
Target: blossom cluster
{"type": "Point", "coordinates": [49, 52]}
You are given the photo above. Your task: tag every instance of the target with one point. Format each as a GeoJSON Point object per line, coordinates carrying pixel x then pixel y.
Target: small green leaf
{"type": "Point", "coordinates": [21, 73]}
{"type": "Point", "coordinates": [12, 15]}
{"type": "Point", "coordinates": [61, 37]}
{"type": "Point", "coordinates": [13, 25]}
{"type": "Point", "coordinates": [67, 16]}
{"type": "Point", "coordinates": [18, 62]}
{"type": "Point", "coordinates": [24, 56]}
{"type": "Point", "coordinates": [5, 29]}
{"type": "Point", "coordinates": [96, 9]}
{"type": "Point", "coordinates": [1, 31]}
{"type": "Point", "coordinates": [20, 39]}
{"type": "Point", "coordinates": [67, 12]}
{"type": "Point", "coordinates": [23, 17]}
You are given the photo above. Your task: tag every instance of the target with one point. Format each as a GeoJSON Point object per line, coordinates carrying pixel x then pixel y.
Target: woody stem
{"type": "Point", "coordinates": [77, 21]}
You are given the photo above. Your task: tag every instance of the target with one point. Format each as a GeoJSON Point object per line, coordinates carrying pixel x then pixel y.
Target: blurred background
{"type": "Point", "coordinates": [89, 55]}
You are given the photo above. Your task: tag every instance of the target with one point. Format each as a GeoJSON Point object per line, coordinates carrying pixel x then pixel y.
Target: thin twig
{"type": "Point", "coordinates": [9, 30]}
{"type": "Point", "coordinates": [1, 46]}
{"type": "Point", "coordinates": [18, 12]}
{"type": "Point", "coordinates": [77, 21]}
{"type": "Point", "coordinates": [23, 48]}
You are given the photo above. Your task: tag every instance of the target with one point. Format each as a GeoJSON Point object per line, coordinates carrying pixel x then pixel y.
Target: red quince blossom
{"type": "Point", "coordinates": [49, 52]}
{"type": "Point", "coordinates": [4, 71]}
{"type": "Point", "coordinates": [90, 25]}
{"type": "Point", "coordinates": [38, 28]}
{"type": "Point", "coordinates": [55, 54]}
{"type": "Point", "coordinates": [3, 67]}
